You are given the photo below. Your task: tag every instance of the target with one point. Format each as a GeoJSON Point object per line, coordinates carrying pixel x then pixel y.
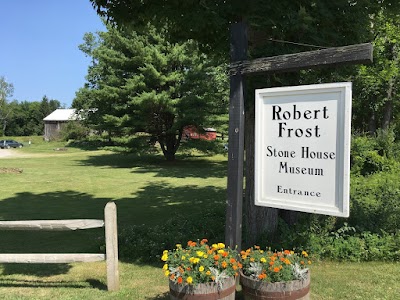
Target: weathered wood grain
{"type": "Point", "coordinates": [353, 54]}
{"type": "Point", "coordinates": [56, 225]}
{"type": "Point", "coordinates": [50, 258]}
{"type": "Point", "coordinates": [110, 219]}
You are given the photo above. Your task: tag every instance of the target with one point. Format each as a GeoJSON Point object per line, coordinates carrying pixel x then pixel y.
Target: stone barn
{"type": "Point", "coordinates": [54, 122]}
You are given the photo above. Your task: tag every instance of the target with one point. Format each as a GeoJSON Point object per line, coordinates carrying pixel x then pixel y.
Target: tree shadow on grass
{"type": "Point", "coordinates": [40, 270]}
{"type": "Point", "coordinates": [164, 296]}
{"type": "Point", "coordinates": [155, 204]}
{"type": "Point", "coordinates": [190, 167]}
{"type": "Point", "coordinates": [13, 282]}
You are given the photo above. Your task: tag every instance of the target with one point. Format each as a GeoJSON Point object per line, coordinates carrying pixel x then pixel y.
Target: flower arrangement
{"type": "Point", "coordinates": [200, 263]}
{"type": "Point", "coordinates": [274, 266]}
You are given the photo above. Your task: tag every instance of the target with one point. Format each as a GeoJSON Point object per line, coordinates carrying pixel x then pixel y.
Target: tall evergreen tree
{"type": "Point", "coordinates": [138, 81]}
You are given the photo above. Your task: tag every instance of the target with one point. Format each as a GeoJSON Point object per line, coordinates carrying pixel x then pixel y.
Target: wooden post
{"type": "Point", "coordinates": [110, 220]}
{"type": "Point", "coordinates": [233, 227]}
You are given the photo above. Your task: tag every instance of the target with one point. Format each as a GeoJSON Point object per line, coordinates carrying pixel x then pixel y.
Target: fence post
{"type": "Point", "coordinates": [110, 220]}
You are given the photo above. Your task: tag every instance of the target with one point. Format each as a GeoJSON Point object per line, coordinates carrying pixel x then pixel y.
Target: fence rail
{"type": "Point", "coordinates": [56, 225]}
{"type": "Point", "coordinates": [111, 237]}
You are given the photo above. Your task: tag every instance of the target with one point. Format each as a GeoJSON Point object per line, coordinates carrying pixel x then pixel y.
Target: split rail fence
{"type": "Point", "coordinates": [111, 238]}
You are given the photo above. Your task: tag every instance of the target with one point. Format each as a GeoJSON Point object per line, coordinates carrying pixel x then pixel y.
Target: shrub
{"type": "Point", "coordinates": [141, 243]}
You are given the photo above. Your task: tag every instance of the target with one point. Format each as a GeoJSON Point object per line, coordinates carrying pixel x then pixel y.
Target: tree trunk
{"type": "Point", "coordinates": [372, 124]}
{"type": "Point", "coordinates": [170, 143]}
{"type": "Point", "coordinates": [258, 220]}
{"type": "Point", "coordinates": [388, 108]}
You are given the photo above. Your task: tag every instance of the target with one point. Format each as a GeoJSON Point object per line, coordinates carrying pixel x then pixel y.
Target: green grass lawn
{"type": "Point", "coordinates": [147, 190]}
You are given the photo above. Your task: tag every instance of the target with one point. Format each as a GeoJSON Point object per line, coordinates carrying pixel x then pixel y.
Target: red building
{"type": "Point", "coordinates": [191, 132]}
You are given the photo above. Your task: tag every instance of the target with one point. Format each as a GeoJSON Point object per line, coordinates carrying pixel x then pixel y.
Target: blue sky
{"type": "Point", "coordinates": [39, 51]}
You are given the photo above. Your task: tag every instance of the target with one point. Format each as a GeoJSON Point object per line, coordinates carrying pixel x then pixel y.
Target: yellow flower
{"type": "Point", "coordinates": [221, 251]}
{"type": "Point", "coordinates": [221, 245]}
{"type": "Point", "coordinates": [164, 257]}
{"type": "Point", "coordinates": [183, 257]}
{"type": "Point", "coordinates": [200, 253]}
{"type": "Point", "coordinates": [194, 260]}
{"type": "Point", "coordinates": [166, 273]}
{"type": "Point", "coordinates": [263, 260]}
{"type": "Point", "coordinates": [208, 273]}
{"type": "Point", "coordinates": [201, 269]}
{"type": "Point", "coordinates": [189, 280]}
{"type": "Point", "coordinates": [309, 262]}
{"type": "Point", "coordinates": [179, 246]}
{"type": "Point", "coordinates": [165, 267]}
{"type": "Point", "coordinates": [304, 253]}
{"type": "Point", "coordinates": [205, 256]}
{"type": "Point", "coordinates": [165, 252]}
{"type": "Point", "coordinates": [214, 246]}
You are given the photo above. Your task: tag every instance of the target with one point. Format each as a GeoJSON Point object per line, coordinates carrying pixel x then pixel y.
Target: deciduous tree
{"type": "Point", "coordinates": [275, 27]}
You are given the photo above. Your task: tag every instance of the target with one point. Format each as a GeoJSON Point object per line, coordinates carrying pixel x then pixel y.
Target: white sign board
{"type": "Point", "coordinates": [302, 148]}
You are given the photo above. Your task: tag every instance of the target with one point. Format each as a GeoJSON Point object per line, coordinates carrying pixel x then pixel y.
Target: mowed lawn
{"type": "Point", "coordinates": [147, 190]}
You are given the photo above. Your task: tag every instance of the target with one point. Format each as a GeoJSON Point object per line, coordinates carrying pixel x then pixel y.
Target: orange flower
{"type": "Point", "coordinates": [180, 280]}
{"type": "Point", "coordinates": [172, 277]}
{"type": "Point", "coordinates": [244, 256]}
{"type": "Point", "coordinates": [203, 241]}
{"type": "Point", "coordinates": [252, 259]}
{"type": "Point", "coordinates": [191, 244]}
{"type": "Point", "coordinates": [225, 254]}
{"type": "Point", "coordinates": [276, 269]}
{"type": "Point", "coordinates": [240, 265]}
{"type": "Point", "coordinates": [216, 257]}
{"type": "Point", "coordinates": [302, 262]}
{"type": "Point", "coordinates": [224, 264]}
{"type": "Point", "coordinates": [287, 252]}
{"type": "Point", "coordinates": [271, 263]}
{"type": "Point", "coordinates": [282, 259]}
{"type": "Point", "coordinates": [232, 260]}
{"type": "Point", "coordinates": [234, 267]}
{"type": "Point", "coordinates": [262, 276]}
{"type": "Point", "coordinates": [212, 278]}
{"type": "Point", "coordinates": [188, 268]}
{"type": "Point", "coordinates": [256, 247]}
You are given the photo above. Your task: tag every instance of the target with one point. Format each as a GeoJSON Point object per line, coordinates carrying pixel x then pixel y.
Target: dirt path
{"type": "Point", "coordinates": [7, 153]}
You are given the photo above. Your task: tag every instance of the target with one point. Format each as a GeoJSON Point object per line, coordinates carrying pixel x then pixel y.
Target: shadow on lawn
{"type": "Point", "coordinates": [155, 204]}
{"type": "Point", "coordinates": [189, 167]}
{"type": "Point", "coordinates": [93, 283]}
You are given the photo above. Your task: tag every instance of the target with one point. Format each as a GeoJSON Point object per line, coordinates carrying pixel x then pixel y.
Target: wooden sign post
{"type": "Point", "coordinates": [353, 54]}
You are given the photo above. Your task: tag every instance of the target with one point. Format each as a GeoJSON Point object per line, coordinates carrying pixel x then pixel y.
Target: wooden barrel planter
{"type": "Point", "coordinates": [261, 290]}
{"type": "Point", "coordinates": [203, 291]}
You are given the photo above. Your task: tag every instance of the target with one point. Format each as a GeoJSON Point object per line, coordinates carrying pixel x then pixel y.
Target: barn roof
{"type": "Point", "coordinates": [62, 115]}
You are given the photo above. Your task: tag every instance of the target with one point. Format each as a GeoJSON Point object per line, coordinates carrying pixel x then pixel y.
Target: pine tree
{"type": "Point", "coordinates": [138, 81]}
